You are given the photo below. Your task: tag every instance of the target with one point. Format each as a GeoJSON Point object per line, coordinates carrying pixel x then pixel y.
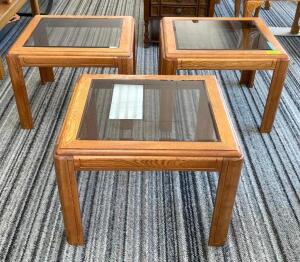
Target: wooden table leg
{"type": "Point", "coordinates": [273, 99]}
{"type": "Point", "coordinates": [126, 66]}
{"type": "Point", "coordinates": [1, 69]}
{"type": "Point", "coordinates": [167, 67]}
{"type": "Point", "coordinates": [267, 5]}
{"type": "Point", "coordinates": [68, 193]}
{"type": "Point", "coordinates": [237, 8]}
{"type": "Point", "coordinates": [227, 187]}
{"type": "Point", "coordinates": [295, 26]}
{"type": "Point", "coordinates": [252, 7]}
{"type": "Point", "coordinates": [247, 77]}
{"type": "Point", "coordinates": [19, 88]}
{"type": "Point", "coordinates": [211, 10]}
{"type": "Point", "coordinates": [35, 7]}
{"type": "Point", "coordinates": [46, 74]}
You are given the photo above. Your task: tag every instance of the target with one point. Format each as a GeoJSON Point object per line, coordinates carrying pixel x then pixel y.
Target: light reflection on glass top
{"type": "Point", "coordinates": [76, 32]}
{"type": "Point", "coordinates": [149, 110]}
{"type": "Point", "coordinates": [219, 35]}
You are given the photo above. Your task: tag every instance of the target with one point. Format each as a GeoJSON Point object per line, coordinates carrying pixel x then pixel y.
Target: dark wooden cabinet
{"type": "Point", "coordinates": [155, 9]}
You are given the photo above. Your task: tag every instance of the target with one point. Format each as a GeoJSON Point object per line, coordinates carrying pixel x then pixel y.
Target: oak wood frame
{"type": "Point", "coordinates": [7, 11]}
{"type": "Point", "coordinates": [47, 57]}
{"type": "Point", "coordinates": [72, 154]}
{"type": "Point", "coordinates": [248, 61]}
{"type": "Point", "coordinates": [252, 7]}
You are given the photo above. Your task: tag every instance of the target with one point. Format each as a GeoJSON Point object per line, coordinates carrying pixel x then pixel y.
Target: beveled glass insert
{"type": "Point", "coordinates": [76, 32]}
{"type": "Point", "coordinates": [219, 35]}
{"type": "Point", "coordinates": [151, 110]}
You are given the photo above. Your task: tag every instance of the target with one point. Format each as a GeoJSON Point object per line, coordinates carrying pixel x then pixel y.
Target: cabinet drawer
{"type": "Point", "coordinates": [203, 11]}
{"type": "Point", "coordinates": [178, 11]}
{"type": "Point", "coordinates": [155, 10]}
{"type": "Point", "coordinates": [179, 2]}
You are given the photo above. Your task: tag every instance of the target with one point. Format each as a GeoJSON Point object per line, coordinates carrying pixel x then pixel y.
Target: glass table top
{"type": "Point", "coordinates": [148, 110]}
{"type": "Point", "coordinates": [219, 35]}
{"type": "Point", "coordinates": [76, 32]}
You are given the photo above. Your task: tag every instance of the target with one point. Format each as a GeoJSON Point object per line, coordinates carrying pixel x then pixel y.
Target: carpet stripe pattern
{"type": "Point", "coordinates": [151, 216]}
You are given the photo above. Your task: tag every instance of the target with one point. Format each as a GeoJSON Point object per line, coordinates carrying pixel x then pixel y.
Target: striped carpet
{"type": "Point", "coordinates": [151, 216]}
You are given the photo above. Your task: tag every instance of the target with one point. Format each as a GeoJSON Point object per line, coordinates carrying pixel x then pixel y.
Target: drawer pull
{"type": "Point", "coordinates": [178, 11]}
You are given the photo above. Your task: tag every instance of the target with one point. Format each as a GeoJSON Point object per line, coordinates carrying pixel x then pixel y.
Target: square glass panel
{"type": "Point", "coordinates": [76, 32]}
{"type": "Point", "coordinates": [219, 35]}
{"type": "Point", "coordinates": [148, 110]}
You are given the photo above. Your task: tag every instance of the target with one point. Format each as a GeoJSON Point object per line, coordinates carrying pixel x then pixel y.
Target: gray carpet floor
{"type": "Point", "coordinates": [151, 216]}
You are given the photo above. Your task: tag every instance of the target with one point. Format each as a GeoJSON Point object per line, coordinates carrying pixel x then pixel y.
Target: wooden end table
{"type": "Point", "coordinates": [225, 44]}
{"type": "Point", "coordinates": [118, 122]}
{"type": "Point", "coordinates": [69, 41]}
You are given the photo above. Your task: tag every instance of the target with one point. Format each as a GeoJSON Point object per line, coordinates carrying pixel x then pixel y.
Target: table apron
{"type": "Point", "coordinates": [146, 163]}
{"type": "Point", "coordinates": [69, 61]}
{"type": "Point", "coordinates": [215, 64]}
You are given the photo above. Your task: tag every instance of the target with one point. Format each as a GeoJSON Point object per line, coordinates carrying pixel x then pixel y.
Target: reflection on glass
{"type": "Point", "coordinates": [154, 110]}
{"type": "Point", "coordinates": [76, 32]}
{"type": "Point", "coordinates": [218, 35]}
